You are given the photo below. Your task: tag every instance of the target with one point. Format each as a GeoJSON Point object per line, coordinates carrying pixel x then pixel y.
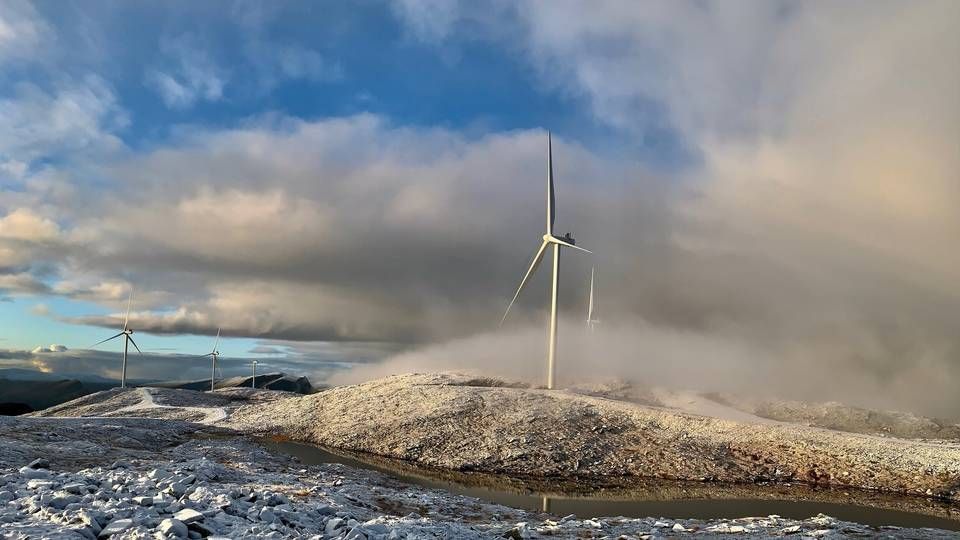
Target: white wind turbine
{"type": "Point", "coordinates": [592, 320]}
{"type": "Point", "coordinates": [549, 240]}
{"type": "Point", "coordinates": [214, 354]}
{"type": "Point", "coordinates": [253, 381]}
{"type": "Point", "coordinates": [126, 332]}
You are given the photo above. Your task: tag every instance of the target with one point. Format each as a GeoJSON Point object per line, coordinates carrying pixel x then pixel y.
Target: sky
{"type": "Point", "coordinates": [352, 189]}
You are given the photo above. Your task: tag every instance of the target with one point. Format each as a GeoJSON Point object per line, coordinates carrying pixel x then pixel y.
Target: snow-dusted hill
{"type": "Point", "coordinates": [128, 479]}
{"type": "Point", "coordinates": [457, 422]}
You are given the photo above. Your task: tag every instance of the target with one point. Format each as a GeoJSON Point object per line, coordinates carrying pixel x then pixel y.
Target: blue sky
{"type": "Point", "coordinates": [346, 184]}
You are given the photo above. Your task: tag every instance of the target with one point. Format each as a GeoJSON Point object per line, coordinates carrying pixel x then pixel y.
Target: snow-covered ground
{"type": "Point", "coordinates": [228, 487]}
{"type": "Point", "coordinates": [145, 454]}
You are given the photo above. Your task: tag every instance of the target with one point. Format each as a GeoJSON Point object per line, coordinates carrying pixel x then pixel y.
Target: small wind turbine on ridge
{"type": "Point", "coordinates": [214, 354]}
{"type": "Point", "coordinates": [126, 332]}
{"type": "Point", "coordinates": [253, 381]}
{"type": "Point", "coordinates": [549, 240]}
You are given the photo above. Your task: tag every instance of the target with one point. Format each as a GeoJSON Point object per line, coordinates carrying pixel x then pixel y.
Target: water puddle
{"type": "Point", "coordinates": [651, 498]}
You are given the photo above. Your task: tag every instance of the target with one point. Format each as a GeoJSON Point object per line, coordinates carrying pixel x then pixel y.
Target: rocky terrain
{"type": "Point", "coordinates": [477, 426]}
{"type": "Point", "coordinates": [135, 478]}
{"type": "Point", "coordinates": [450, 421]}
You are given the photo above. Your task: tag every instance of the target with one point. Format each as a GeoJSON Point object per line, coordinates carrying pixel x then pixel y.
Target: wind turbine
{"type": "Point", "coordinates": [126, 332]}
{"type": "Point", "coordinates": [592, 320]}
{"type": "Point", "coordinates": [253, 381]}
{"type": "Point", "coordinates": [549, 240]}
{"type": "Point", "coordinates": [214, 354]}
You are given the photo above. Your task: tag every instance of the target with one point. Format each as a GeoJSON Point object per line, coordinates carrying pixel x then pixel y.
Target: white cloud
{"type": "Point", "coordinates": [24, 224]}
{"type": "Point", "coordinates": [77, 116]}
{"type": "Point", "coordinates": [23, 33]}
{"type": "Point", "coordinates": [187, 73]}
{"type": "Point", "coordinates": [12, 168]}
{"type": "Point", "coordinates": [51, 349]}
{"type": "Point", "coordinates": [22, 284]}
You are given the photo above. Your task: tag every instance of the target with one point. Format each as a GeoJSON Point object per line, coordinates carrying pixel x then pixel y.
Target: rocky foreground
{"type": "Point", "coordinates": [134, 478]}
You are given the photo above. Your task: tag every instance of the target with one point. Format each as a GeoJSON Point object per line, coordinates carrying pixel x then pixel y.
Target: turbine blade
{"type": "Point", "coordinates": [106, 340]}
{"type": "Point", "coordinates": [590, 304]}
{"type": "Point", "coordinates": [556, 240]}
{"type": "Point", "coordinates": [126, 319]}
{"type": "Point", "coordinates": [135, 345]}
{"type": "Point", "coordinates": [217, 342]}
{"type": "Point", "coordinates": [533, 268]}
{"type": "Point", "coordinates": [551, 197]}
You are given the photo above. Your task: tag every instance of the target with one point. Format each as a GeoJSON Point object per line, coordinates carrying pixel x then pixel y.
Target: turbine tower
{"type": "Point", "coordinates": [253, 381]}
{"type": "Point", "coordinates": [126, 332]}
{"type": "Point", "coordinates": [213, 354]}
{"type": "Point", "coordinates": [554, 242]}
{"type": "Point", "coordinates": [592, 320]}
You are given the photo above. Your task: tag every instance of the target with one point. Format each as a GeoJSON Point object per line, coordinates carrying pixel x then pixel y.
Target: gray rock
{"type": "Point", "coordinates": [28, 472]}
{"type": "Point", "coordinates": [75, 487]}
{"type": "Point", "coordinates": [85, 532]}
{"type": "Point", "coordinates": [116, 526]}
{"type": "Point", "coordinates": [188, 516]}
{"type": "Point", "coordinates": [173, 527]}
{"type": "Point", "coordinates": [355, 534]}
{"type": "Point", "coordinates": [333, 524]}
{"type": "Point", "coordinates": [7, 496]}
{"type": "Point", "coordinates": [39, 463]}
{"type": "Point", "coordinates": [201, 528]}
{"type": "Point", "coordinates": [61, 499]}
{"type": "Point", "coordinates": [267, 515]}
{"type": "Point", "coordinates": [89, 519]}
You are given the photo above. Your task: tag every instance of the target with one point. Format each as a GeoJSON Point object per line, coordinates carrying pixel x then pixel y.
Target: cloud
{"type": "Point", "coordinates": [51, 349]}
{"type": "Point", "coordinates": [313, 231]}
{"type": "Point", "coordinates": [78, 115]}
{"type": "Point", "coordinates": [22, 283]}
{"type": "Point", "coordinates": [262, 349]}
{"type": "Point", "coordinates": [187, 74]}
{"type": "Point", "coordinates": [23, 224]}
{"type": "Point", "coordinates": [22, 32]}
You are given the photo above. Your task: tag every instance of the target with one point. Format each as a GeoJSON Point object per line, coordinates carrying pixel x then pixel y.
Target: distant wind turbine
{"type": "Point", "coordinates": [253, 381]}
{"type": "Point", "coordinates": [549, 240]}
{"type": "Point", "coordinates": [214, 354]}
{"type": "Point", "coordinates": [126, 332]}
{"type": "Point", "coordinates": [592, 320]}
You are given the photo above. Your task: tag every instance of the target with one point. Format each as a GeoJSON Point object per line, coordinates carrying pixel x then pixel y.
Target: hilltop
{"type": "Point", "coordinates": [463, 423]}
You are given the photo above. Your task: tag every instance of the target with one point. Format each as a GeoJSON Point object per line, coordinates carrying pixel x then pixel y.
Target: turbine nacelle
{"type": "Point", "coordinates": [565, 240]}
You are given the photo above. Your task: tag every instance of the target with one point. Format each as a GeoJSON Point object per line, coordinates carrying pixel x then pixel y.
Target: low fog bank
{"type": "Point", "coordinates": [838, 368]}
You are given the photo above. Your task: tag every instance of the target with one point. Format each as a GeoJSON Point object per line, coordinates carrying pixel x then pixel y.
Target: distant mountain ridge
{"type": "Point", "coordinates": [22, 389]}
{"type": "Point", "coordinates": [268, 381]}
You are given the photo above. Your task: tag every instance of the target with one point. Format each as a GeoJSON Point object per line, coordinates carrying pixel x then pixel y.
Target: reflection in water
{"type": "Point", "coordinates": [694, 500]}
